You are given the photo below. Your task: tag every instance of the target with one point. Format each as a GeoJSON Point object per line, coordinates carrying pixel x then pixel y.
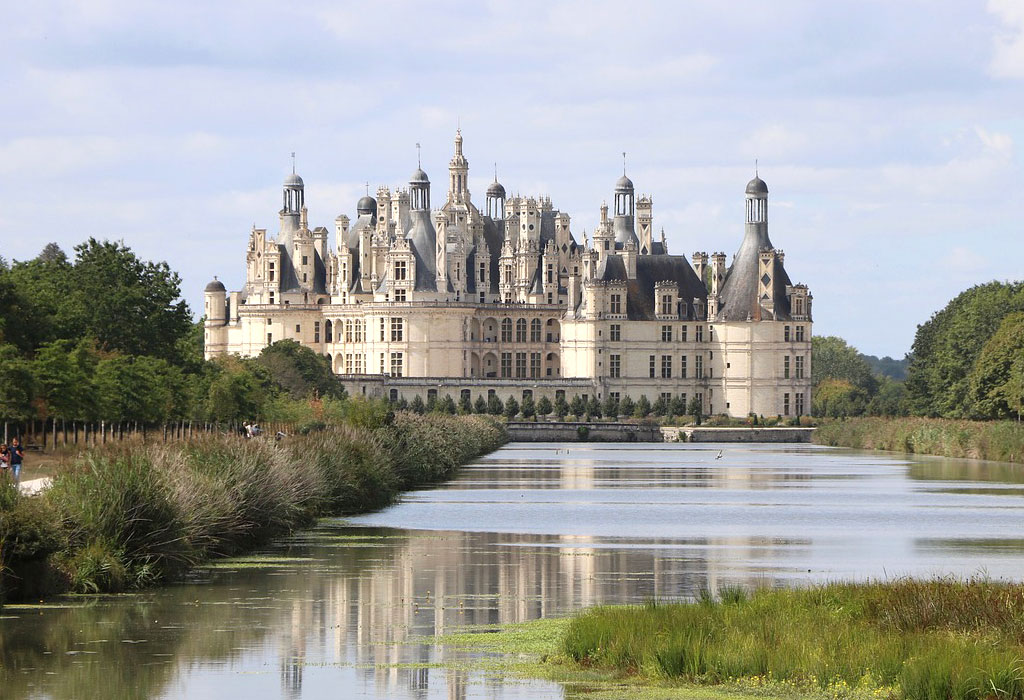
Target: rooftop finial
{"type": "Point", "coordinates": [418, 163]}
{"type": "Point", "coordinates": [495, 171]}
{"type": "Point", "coordinates": [623, 163]}
{"type": "Point", "coordinates": [293, 162]}
{"type": "Point", "coordinates": [367, 189]}
{"type": "Point", "coordinates": [755, 168]}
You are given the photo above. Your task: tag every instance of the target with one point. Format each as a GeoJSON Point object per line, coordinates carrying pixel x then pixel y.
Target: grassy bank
{"type": "Point", "coordinates": [130, 516]}
{"type": "Point", "coordinates": [1001, 441]}
{"type": "Point", "coordinates": [923, 640]}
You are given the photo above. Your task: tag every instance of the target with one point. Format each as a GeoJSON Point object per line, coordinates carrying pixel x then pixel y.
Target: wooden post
{"type": "Point", "coordinates": [74, 428]}
{"type": "Point", "coordinates": [103, 432]}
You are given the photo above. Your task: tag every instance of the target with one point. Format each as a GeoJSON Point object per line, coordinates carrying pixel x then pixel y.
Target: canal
{"type": "Point", "coordinates": [351, 608]}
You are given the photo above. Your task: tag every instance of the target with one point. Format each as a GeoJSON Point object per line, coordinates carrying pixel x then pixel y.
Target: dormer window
{"type": "Point", "coordinates": [400, 270]}
{"type": "Point", "coordinates": [666, 305]}
{"type": "Point", "coordinates": [615, 305]}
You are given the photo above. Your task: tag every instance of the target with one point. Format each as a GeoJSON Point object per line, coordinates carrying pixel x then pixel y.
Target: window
{"type": "Point", "coordinates": [483, 272]}
{"type": "Point", "coordinates": [400, 271]}
{"type": "Point", "coordinates": [698, 366]}
{"type": "Point", "coordinates": [711, 334]}
{"type": "Point", "coordinates": [298, 329]}
{"type": "Point", "coordinates": [785, 367]}
{"type": "Point", "coordinates": [614, 396]}
{"type": "Point", "coordinates": [699, 334]}
{"type": "Point", "coordinates": [615, 366]}
{"type": "Point", "coordinates": [329, 331]}
{"type": "Point", "coordinates": [682, 334]}
{"type": "Point", "coordinates": [652, 366]}
{"type": "Point", "coordinates": [535, 330]}
{"type": "Point", "coordinates": [521, 330]}
{"type": "Point", "coordinates": [271, 297]}
{"type": "Point", "coordinates": [615, 331]}
{"type": "Point", "coordinates": [270, 338]}
{"type": "Point", "coordinates": [348, 363]}
{"type": "Point", "coordinates": [305, 260]}
{"type": "Point", "coordinates": [348, 331]}
{"type": "Point", "coordinates": [483, 297]}
{"type": "Point", "coordinates": [666, 334]}
{"type": "Point", "coordinates": [316, 331]}
{"type": "Point", "coordinates": [799, 334]}
{"type": "Point", "coordinates": [785, 404]}
{"type": "Point", "coordinates": [682, 398]}
{"type": "Point", "coordinates": [616, 304]}
{"type": "Point", "coordinates": [799, 368]}
{"type": "Point", "coordinates": [682, 367]}
{"type": "Point", "coordinates": [665, 396]}
{"type": "Point", "coordinates": [506, 365]}
{"type": "Point", "coordinates": [520, 365]}
{"type": "Point", "coordinates": [798, 309]}
{"type": "Point", "coordinates": [666, 305]}
{"type": "Point", "coordinates": [359, 330]}
{"type": "Point", "coordinates": [508, 274]}
{"type": "Point", "coordinates": [396, 364]}
{"type": "Point", "coordinates": [269, 320]}
{"type": "Point", "coordinates": [304, 278]}
{"type": "Point", "coordinates": [506, 330]}
{"type": "Point", "coordinates": [785, 334]}
{"type": "Point", "coordinates": [535, 365]}
{"type": "Point", "coordinates": [551, 273]}
{"type": "Point", "coordinates": [397, 330]}
{"type": "Point", "coordinates": [399, 295]}
{"type": "Point", "coordinates": [393, 395]}
{"type": "Point", "coordinates": [799, 403]}
{"type": "Point", "coordinates": [666, 366]}
{"type": "Point", "coordinates": [359, 363]}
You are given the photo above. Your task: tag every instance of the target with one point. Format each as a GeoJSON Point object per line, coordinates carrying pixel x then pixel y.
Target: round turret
{"type": "Point", "coordinates": [757, 186]}
{"type": "Point", "coordinates": [293, 180]}
{"type": "Point", "coordinates": [419, 178]}
{"type": "Point", "coordinates": [496, 190]}
{"type": "Point", "coordinates": [366, 205]}
{"type": "Point", "coordinates": [215, 286]}
{"type": "Point", "coordinates": [624, 184]}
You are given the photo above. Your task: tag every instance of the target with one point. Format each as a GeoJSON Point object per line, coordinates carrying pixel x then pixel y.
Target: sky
{"type": "Point", "coordinates": [888, 131]}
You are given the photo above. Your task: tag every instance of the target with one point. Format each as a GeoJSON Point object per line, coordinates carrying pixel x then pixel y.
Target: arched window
{"type": "Point", "coordinates": [535, 330]}
{"type": "Point", "coordinates": [359, 330]}
{"type": "Point", "coordinates": [348, 331]}
{"type": "Point", "coordinates": [329, 332]}
{"type": "Point", "coordinates": [521, 330]}
{"type": "Point", "coordinates": [506, 330]}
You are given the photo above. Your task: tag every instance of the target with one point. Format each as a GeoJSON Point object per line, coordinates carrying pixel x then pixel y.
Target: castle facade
{"type": "Point", "coordinates": [462, 301]}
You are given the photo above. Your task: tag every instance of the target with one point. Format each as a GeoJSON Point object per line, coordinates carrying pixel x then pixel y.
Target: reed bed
{"type": "Point", "coordinates": [128, 516]}
{"type": "Point", "coordinates": [939, 639]}
{"type": "Point", "coordinates": [1001, 441]}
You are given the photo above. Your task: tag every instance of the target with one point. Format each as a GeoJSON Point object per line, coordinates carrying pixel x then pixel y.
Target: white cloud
{"type": "Point", "coordinates": [1008, 45]}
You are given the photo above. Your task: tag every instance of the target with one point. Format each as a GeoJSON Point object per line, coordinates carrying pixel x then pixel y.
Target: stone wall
{"type": "Point", "coordinates": [692, 434]}
{"type": "Point", "coordinates": [592, 432]}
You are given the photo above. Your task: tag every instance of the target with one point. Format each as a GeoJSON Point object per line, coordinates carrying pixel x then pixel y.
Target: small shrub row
{"type": "Point", "coordinates": [129, 516]}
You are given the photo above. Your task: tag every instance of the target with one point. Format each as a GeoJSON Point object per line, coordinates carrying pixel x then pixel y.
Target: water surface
{"type": "Point", "coordinates": [350, 609]}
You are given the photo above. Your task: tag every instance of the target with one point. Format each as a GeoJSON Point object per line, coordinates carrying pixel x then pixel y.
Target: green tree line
{"type": "Point", "coordinates": [105, 335]}
{"type": "Point", "coordinates": [967, 361]}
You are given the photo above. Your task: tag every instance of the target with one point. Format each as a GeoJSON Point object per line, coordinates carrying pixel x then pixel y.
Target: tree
{"type": "Point", "coordinates": [593, 407]}
{"type": "Point", "coordinates": [660, 406]}
{"type": "Point", "coordinates": [128, 305]}
{"type": "Point", "coordinates": [610, 407]}
{"type": "Point", "coordinates": [643, 407]}
{"type": "Point", "coordinates": [447, 405]}
{"type": "Point", "coordinates": [696, 410]}
{"type": "Point", "coordinates": [148, 389]}
{"type": "Point", "coordinates": [465, 405]}
{"type": "Point", "coordinates": [16, 385]}
{"type": "Point", "coordinates": [838, 398]}
{"type": "Point", "coordinates": [889, 400]}
{"type": "Point", "coordinates": [627, 406]}
{"type": "Point", "coordinates": [431, 402]}
{"type": "Point", "coordinates": [511, 407]}
{"type": "Point", "coordinates": [544, 406]}
{"type": "Point", "coordinates": [948, 344]}
{"type": "Point", "coordinates": [402, 404]}
{"type": "Point", "coordinates": [528, 409]}
{"type": "Point", "coordinates": [993, 389]}
{"type": "Point", "coordinates": [833, 358]}
{"type": "Point", "coordinates": [494, 405]}
{"type": "Point", "coordinates": [417, 405]}
{"type": "Point", "coordinates": [299, 371]}
{"type": "Point", "coordinates": [677, 407]}
{"type": "Point", "coordinates": [480, 405]}
{"type": "Point", "coordinates": [576, 406]}
{"type": "Point", "coordinates": [64, 372]}
{"type": "Point", "coordinates": [561, 407]}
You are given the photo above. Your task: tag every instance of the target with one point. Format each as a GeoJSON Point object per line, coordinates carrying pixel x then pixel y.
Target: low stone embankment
{"type": "Point", "coordinates": [641, 432]}
{"type": "Point", "coordinates": [701, 434]}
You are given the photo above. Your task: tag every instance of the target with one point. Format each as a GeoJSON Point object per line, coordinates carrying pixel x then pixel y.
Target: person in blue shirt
{"type": "Point", "coordinates": [17, 455]}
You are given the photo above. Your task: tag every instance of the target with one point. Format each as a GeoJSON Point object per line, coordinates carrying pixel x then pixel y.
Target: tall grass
{"type": "Point", "coordinates": [129, 516]}
{"type": "Point", "coordinates": [925, 640]}
{"type": "Point", "coordinates": [1001, 441]}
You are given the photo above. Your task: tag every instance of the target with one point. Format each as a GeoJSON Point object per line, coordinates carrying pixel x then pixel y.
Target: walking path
{"type": "Point", "coordinates": [34, 486]}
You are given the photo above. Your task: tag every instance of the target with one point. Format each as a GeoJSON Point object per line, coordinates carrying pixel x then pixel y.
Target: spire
{"type": "Point", "coordinates": [293, 162]}
{"type": "Point", "coordinates": [419, 164]}
{"type": "Point", "coordinates": [623, 164]}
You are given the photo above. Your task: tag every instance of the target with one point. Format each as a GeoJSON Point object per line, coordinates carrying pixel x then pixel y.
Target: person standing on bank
{"type": "Point", "coordinates": [17, 455]}
{"type": "Point", "coordinates": [5, 461]}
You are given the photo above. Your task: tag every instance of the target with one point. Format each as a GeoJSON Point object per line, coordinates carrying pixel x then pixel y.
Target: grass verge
{"type": "Point", "coordinates": [1001, 441]}
{"type": "Point", "coordinates": [128, 516]}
